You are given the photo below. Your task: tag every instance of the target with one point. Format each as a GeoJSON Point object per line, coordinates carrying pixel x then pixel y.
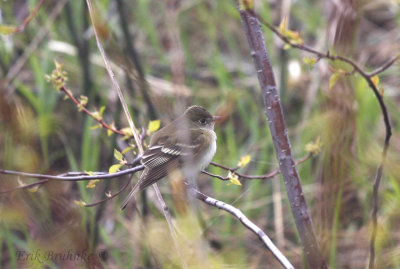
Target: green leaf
{"type": "Point", "coordinates": [8, 29]}
{"type": "Point", "coordinates": [244, 161]}
{"type": "Point", "coordinates": [127, 149]}
{"type": "Point", "coordinates": [314, 147]}
{"type": "Point", "coordinates": [246, 4]}
{"type": "Point", "coordinates": [94, 127]}
{"type": "Point", "coordinates": [118, 155]}
{"type": "Point", "coordinates": [154, 125]}
{"type": "Point", "coordinates": [80, 203]}
{"type": "Point", "coordinates": [92, 183]}
{"type": "Point", "coordinates": [34, 188]}
{"type": "Point", "coordinates": [234, 179]}
{"type": "Point", "coordinates": [375, 80]}
{"type": "Point", "coordinates": [310, 61]}
{"type": "Point", "coordinates": [114, 168]}
{"type": "Point", "coordinates": [333, 79]}
{"type": "Point", "coordinates": [109, 132]}
{"type": "Point", "coordinates": [101, 111]}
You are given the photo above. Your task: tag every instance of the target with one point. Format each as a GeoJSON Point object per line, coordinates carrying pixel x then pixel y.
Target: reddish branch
{"type": "Point", "coordinates": [84, 109]}
{"type": "Point", "coordinates": [277, 126]}
{"type": "Point", "coordinates": [29, 18]}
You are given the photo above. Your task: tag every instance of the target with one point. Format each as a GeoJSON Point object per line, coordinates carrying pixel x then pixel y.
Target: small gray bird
{"type": "Point", "coordinates": [188, 144]}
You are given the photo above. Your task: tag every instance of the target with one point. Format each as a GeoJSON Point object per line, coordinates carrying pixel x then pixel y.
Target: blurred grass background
{"type": "Point", "coordinates": [195, 52]}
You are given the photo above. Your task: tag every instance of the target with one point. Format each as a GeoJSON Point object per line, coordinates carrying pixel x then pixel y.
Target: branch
{"type": "Point", "coordinates": [26, 186]}
{"type": "Point", "coordinates": [277, 126]}
{"type": "Point", "coordinates": [245, 221]}
{"type": "Point", "coordinates": [97, 175]}
{"type": "Point", "coordinates": [266, 176]}
{"type": "Point", "coordinates": [14, 70]}
{"type": "Point", "coordinates": [84, 109]}
{"type": "Point", "coordinates": [109, 197]}
{"type": "Point", "coordinates": [384, 67]}
{"type": "Point", "coordinates": [17, 29]}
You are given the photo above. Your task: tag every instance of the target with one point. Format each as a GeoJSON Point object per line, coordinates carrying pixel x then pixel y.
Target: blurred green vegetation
{"type": "Point", "coordinates": [191, 52]}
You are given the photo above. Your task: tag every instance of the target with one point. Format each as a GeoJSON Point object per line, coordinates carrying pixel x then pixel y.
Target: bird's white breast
{"type": "Point", "coordinates": [209, 154]}
{"type": "Point", "coordinates": [192, 170]}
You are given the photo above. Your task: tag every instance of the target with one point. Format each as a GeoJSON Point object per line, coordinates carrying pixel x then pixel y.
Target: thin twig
{"type": "Point", "coordinates": [245, 221]}
{"type": "Point", "coordinates": [28, 18]}
{"type": "Point", "coordinates": [384, 66]}
{"type": "Point", "coordinates": [167, 216]}
{"type": "Point", "coordinates": [27, 186]}
{"type": "Point", "coordinates": [109, 197]}
{"type": "Point", "coordinates": [39, 36]}
{"type": "Point", "coordinates": [114, 81]}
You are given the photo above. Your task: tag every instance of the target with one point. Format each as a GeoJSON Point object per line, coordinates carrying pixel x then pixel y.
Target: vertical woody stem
{"type": "Point", "coordinates": [273, 110]}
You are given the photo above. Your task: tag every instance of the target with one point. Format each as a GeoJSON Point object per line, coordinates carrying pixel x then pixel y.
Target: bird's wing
{"type": "Point", "coordinates": [165, 156]}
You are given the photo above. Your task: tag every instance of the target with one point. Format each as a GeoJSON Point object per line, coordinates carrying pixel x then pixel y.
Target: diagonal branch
{"type": "Point", "coordinates": [245, 221]}
{"type": "Point", "coordinates": [114, 81]}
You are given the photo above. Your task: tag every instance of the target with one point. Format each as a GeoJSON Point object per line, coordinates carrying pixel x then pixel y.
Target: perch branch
{"type": "Point", "coordinates": [98, 175]}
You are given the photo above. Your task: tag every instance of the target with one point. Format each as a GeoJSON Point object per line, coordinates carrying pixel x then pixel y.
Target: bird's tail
{"type": "Point", "coordinates": [131, 194]}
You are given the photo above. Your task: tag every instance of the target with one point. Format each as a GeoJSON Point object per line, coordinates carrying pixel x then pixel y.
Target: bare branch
{"type": "Point", "coordinates": [110, 196]}
{"type": "Point", "coordinates": [384, 66]}
{"type": "Point", "coordinates": [39, 37]}
{"type": "Point", "coordinates": [26, 186]}
{"type": "Point", "coordinates": [75, 178]}
{"type": "Point", "coordinates": [28, 18]}
{"type": "Point", "coordinates": [245, 221]}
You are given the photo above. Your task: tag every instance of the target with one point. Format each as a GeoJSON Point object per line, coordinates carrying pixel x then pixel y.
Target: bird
{"type": "Point", "coordinates": [187, 144]}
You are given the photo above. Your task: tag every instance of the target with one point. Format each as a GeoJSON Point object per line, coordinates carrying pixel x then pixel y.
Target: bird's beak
{"type": "Point", "coordinates": [217, 118]}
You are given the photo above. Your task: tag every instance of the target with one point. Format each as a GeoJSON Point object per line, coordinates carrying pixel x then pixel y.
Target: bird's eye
{"type": "Point", "coordinates": [203, 121]}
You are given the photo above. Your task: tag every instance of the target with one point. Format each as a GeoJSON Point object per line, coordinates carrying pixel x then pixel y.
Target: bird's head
{"type": "Point", "coordinates": [199, 117]}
